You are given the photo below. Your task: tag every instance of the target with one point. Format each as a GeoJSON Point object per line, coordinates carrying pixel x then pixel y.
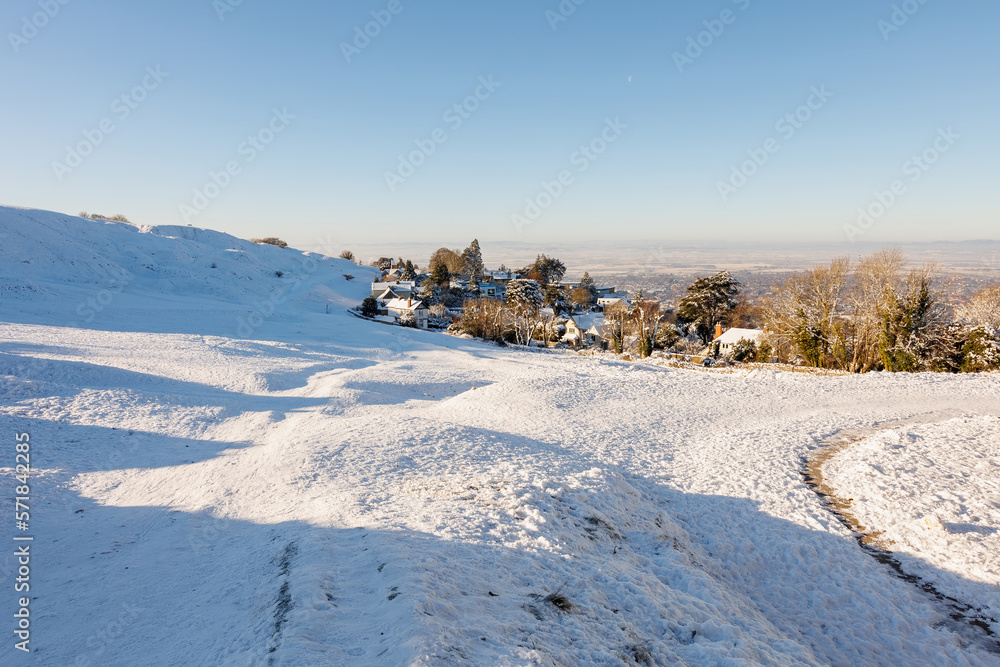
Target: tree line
{"type": "Point", "coordinates": [877, 314]}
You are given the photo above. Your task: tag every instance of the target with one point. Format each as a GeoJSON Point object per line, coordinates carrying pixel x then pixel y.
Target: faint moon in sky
{"type": "Point", "coordinates": [630, 79]}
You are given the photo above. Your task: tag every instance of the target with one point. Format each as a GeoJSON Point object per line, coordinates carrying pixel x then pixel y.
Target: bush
{"type": "Point", "coordinates": [482, 318]}
{"type": "Point", "coordinates": [98, 216]}
{"type": "Point", "coordinates": [408, 319]}
{"type": "Point", "coordinates": [270, 240]}
{"type": "Point", "coordinates": [687, 346]}
{"type": "Point", "coordinates": [667, 335]}
{"type": "Point", "coordinates": [765, 351]}
{"type": "Point", "coordinates": [369, 307]}
{"type": "Point", "coordinates": [348, 255]}
{"type": "Point", "coordinates": [744, 350]}
{"type": "Point", "coordinates": [981, 351]}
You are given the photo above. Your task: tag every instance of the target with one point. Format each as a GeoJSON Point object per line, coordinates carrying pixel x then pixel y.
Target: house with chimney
{"type": "Point", "coordinates": [727, 339]}
{"type": "Point", "coordinates": [397, 308]}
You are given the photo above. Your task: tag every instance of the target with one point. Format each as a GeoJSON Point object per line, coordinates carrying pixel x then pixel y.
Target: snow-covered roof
{"type": "Point", "coordinates": [405, 304]}
{"type": "Point", "coordinates": [586, 320]}
{"type": "Point", "coordinates": [733, 336]}
{"type": "Point", "coordinates": [589, 322]}
{"type": "Point", "coordinates": [388, 294]}
{"type": "Point", "coordinates": [394, 284]}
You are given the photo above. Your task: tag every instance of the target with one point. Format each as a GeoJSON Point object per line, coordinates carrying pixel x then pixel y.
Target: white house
{"type": "Point", "coordinates": [728, 339]}
{"type": "Point", "coordinates": [420, 312]}
{"type": "Point", "coordinates": [585, 328]}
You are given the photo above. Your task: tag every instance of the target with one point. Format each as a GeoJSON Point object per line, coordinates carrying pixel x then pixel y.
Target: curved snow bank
{"type": "Point", "coordinates": [933, 495]}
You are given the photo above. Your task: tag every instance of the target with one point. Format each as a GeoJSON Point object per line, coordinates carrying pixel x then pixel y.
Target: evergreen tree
{"type": "Point", "coordinates": [409, 271]}
{"type": "Point", "coordinates": [708, 302]}
{"type": "Point", "coordinates": [440, 275]}
{"type": "Point", "coordinates": [369, 307]}
{"type": "Point", "coordinates": [555, 298]}
{"type": "Point", "coordinates": [545, 270]}
{"type": "Point", "coordinates": [473, 258]}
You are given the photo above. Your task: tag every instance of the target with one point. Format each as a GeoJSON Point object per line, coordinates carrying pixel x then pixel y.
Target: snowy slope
{"type": "Point", "coordinates": [72, 271]}
{"type": "Point", "coordinates": [932, 491]}
{"type": "Point", "coordinates": [325, 490]}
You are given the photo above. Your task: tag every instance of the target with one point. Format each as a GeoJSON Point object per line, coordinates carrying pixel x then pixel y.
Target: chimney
{"type": "Point", "coordinates": [409, 302]}
{"type": "Point", "coordinates": [718, 330]}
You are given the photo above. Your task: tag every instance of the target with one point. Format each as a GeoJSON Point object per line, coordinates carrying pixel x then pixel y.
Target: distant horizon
{"type": "Point", "coordinates": [303, 244]}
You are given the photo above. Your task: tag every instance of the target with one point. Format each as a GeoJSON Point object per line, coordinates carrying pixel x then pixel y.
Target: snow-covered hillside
{"type": "Point", "coordinates": [70, 271]}
{"type": "Point", "coordinates": [317, 489]}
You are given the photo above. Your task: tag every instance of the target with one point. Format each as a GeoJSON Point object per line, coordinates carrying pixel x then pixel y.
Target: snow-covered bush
{"type": "Point", "coordinates": [983, 309]}
{"type": "Point", "coordinates": [765, 349]}
{"type": "Point", "coordinates": [981, 351]}
{"type": "Point", "coordinates": [688, 346]}
{"type": "Point", "coordinates": [744, 350]}
{"type": "Point", "coordinates": [270, 240]}
{"type": "Point", "coordinates": [667, 335]}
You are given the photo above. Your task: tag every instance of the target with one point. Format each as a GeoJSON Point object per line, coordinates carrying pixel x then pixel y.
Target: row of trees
{"type": "Point", "coordinates": [878, 314]}
{"type": "Point", "coordinates": [521, 319]}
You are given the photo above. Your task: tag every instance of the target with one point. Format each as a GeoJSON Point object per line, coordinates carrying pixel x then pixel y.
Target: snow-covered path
{"type": "Point", "coordinates": [930, 494]}
{"type": "Point", "coordinates": [326, 490]}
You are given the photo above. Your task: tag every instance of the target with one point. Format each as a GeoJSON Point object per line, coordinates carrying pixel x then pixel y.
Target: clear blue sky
{"type": "Point", "coordinates": [324, 175]}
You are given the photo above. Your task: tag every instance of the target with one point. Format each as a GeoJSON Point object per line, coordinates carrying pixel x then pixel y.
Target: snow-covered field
{"type": "Point", "coordinates": [932, 493]}
{"type": "Point", "coordinates": [227, 474]}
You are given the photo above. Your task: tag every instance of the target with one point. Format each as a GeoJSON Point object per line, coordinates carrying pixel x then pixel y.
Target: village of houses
{"type": "Point", "coordinates": [578, 326]}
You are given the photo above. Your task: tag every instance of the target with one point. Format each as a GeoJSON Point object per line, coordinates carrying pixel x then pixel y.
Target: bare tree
{"type": "Point", "coordinates": [873, 294]}
{"type": "Point", "coordinates": [806, 312]}
{"type": "Point", "coordinates": [616, 319]}
{"type": "Point", "coordinates": [483, 318]}
{"type": "Point", "coordinates": [451, 259]}
{"type": "Point", "coordinates": [645, 319]}
{"type": "Point", "coordinates": [983, 309]}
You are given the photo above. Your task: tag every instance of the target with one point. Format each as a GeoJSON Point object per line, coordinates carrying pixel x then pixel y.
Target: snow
{"type": "Point", "coordinates": [735, 335]}
{"type": "Point", "coordinates": [932, 491]}
{"type": "Point", "coordinates": [306, 487]}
